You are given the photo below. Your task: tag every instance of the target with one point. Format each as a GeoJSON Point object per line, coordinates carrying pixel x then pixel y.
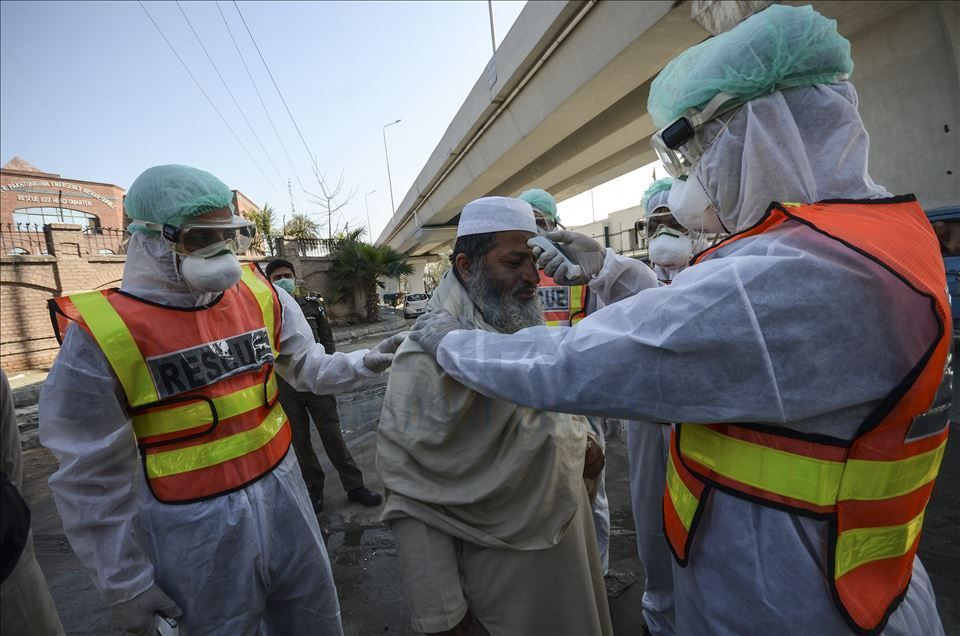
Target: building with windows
{"type": "Point", "coordinates": [31, 198]}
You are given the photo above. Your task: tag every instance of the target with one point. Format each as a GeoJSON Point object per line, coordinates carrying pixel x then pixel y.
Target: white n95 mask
{"type": "Point", "coordinates": [214, 274]}
{"type": "Point", "coordinates": [669, 248]}
{"type": "Point", "coordinates": [690, 206]}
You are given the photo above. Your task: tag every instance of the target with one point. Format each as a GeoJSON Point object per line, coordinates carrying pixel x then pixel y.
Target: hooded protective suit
{"type": "Point", "coordinates": [236, 563]}
{"type": "Point", "coordinates": [787, 328]}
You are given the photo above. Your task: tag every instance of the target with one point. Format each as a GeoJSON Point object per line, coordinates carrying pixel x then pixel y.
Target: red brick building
{"type": "Point", "coordinates": [31, 197]}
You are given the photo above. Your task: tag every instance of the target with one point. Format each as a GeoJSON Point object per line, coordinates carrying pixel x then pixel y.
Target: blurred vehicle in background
{"type": "Point", "coordinates": [414, 305]}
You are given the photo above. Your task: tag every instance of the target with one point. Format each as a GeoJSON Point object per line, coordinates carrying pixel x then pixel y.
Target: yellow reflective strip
{"type": "Point", "coordinates": [264, 296]}
{"type": "Point", "coordinates": [195, 414]}
{"type": "Point", "coordinates": [576, 299]}
{"type": "Point", "coordinates": [868, 480]}
{"type": "Point", "coordinates": [118, 345]}
{"type": "Point", "coordinates": [815, 481]}
{"type": "Point", "coordinates": [863, 545]}
{"type": "Point", "coordinates": [182, 460]}
{"type": "Point", "coordinates": [684, 501]}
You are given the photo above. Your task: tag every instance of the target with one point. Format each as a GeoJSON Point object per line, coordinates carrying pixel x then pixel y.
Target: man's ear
{"type": "Point", "coordinates": [462, 262]}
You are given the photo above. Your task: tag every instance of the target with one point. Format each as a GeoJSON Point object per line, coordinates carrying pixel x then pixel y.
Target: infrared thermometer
{"type": "Point", "coordinates": [544, 244]}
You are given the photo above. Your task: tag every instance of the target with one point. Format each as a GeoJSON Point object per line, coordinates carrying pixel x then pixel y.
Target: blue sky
{"type": "Point", "coordinates": [91, 91]}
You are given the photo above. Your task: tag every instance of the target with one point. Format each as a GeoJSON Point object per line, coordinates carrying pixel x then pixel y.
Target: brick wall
{"type": "Point", "coordinates": [74, 265]}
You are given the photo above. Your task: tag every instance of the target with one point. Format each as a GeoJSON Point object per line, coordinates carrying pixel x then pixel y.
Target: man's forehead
{"type": "Point", "coordinates": [512, 241]}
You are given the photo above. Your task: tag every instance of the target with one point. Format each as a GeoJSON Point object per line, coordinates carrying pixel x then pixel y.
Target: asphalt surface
{"type": "Point", "coordinates": [363, 554]}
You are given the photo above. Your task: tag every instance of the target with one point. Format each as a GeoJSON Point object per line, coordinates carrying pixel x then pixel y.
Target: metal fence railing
{"type": "Point", "coordinates": [22, 239]}
{"type": "Point", "coordinates": [106, 240]}
{"type": "Point", "coordinates": [316, 248]}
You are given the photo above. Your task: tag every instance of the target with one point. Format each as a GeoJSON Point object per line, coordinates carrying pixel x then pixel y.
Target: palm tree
{"type": "Point", "coordinates": [264, 220]}
{"type": "Point", "coordinates": [300, 226]}
{"type": "Point", "coordinates": [359, 265]}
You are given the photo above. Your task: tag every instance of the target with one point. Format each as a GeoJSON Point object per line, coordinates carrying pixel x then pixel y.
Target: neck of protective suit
{"type": "Point", "coordinates": [801, 144]}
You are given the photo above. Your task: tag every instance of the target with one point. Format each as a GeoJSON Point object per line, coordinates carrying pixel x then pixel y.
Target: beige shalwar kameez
{"type": "Point", "coordinates": [487, 501]}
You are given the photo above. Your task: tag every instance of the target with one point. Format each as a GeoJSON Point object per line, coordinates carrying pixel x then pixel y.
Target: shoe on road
{"type": "Point", "coordinates": [365, 497]}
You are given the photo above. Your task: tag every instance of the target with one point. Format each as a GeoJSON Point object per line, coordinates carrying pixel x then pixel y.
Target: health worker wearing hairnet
{"type": "Point", "coordinates": [176, 487]}
{"type": "Point", "coordinates": [805, 355]}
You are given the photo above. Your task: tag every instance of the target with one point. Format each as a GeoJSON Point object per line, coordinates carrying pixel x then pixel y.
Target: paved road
{"type": "Point", "coordinates": [363, 555]}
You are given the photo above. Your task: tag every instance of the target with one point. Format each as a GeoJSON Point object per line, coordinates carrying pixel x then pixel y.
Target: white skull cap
{"type": "Point", "coordinates": [496, 214]}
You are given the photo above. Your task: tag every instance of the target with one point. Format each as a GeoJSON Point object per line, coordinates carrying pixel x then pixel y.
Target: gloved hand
{"type": "Point", "coordinates": [380, 357]}
{"type": "Point", "coordinates": [587, 253]}
{"type": "Point", "coordinates": [430, 329]}
{"type": "Point", "coordinates": [136, 616]}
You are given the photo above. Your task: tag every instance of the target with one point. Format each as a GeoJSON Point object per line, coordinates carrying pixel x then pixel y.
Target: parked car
{"type": "Point", "coordinates": [414, 305]}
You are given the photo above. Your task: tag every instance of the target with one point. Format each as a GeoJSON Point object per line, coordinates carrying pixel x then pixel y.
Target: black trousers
{"type": "Point", "coordinates": [300, 407]}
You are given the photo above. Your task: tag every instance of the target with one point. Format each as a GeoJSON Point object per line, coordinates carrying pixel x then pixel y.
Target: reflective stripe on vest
{"type": "Point", "coordinates": [874, 489]}
{"type": "Point", "coordinates": [115, 340]}
{"type": "Point", "coordinates": [211, 437]}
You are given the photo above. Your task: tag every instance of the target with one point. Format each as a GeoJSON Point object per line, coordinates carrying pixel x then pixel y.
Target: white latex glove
{"type": "Point", "coordinates": [380, 357]}
{"type": "Point", "coordinates": [587, 253]}
{"type": "Point", "coordinates": [136, 616]}
{"type": "Point", "coordinates": [430, 329]}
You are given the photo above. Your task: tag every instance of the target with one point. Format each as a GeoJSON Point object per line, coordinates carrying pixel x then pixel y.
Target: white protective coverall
{"type": "Point", "coordinates": [788, 328]}
{"type": "Point", "coordinates": [239, 563]}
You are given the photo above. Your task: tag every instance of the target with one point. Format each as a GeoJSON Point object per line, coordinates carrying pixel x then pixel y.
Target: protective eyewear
{"type": "Point", "coordinates": [545, 223]}
{"type": "Point", "coordinates": [680, 144]}
{"type": "Point", "coordinates": [663, 221]}
{"type": "Point", "coordinates": [203, 239]}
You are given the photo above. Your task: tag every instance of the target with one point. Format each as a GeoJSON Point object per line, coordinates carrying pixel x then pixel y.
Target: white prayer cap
{"type": "Point", "coordinates": [496, 214]}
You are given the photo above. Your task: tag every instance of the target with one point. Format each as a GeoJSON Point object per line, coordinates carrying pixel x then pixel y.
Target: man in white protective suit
{"type": "Point", "coordinates": [805, 357]}
{"type": "Point", "coordinates": [176, 485]}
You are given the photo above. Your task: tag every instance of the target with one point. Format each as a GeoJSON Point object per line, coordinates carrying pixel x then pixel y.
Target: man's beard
{"type": "Point", "coordinates": [499, 307]}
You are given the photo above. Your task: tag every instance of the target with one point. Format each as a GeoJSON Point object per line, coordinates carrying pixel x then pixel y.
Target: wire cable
{"type": "Point", "coordinates": [305, 146]}
{"type": "Point", "coordinates": [229, 92]}
{"type": "Point", "coordinates": [210, 101]}
{"type": "Point", "coordinates": [260, 97]}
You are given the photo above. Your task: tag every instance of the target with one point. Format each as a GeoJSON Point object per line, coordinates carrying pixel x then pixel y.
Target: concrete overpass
{"type": "Point", "coordinates": [562, 104]}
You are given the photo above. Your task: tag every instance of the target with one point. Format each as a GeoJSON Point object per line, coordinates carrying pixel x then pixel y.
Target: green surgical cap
{"type": "Point", "coordinates": [658, 186]}
{"type": "Point", "coordinates": [171, 193]}
{"type": "Point", "coordinates": [542, 201]}
{"type": "Point", "coordinates": [780, 47]}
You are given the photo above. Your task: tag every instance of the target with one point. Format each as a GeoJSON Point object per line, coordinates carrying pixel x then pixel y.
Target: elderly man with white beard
{"type": "Point", "coordinates": [488, 500]}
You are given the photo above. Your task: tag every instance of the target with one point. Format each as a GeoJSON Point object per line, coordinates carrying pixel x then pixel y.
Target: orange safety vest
{"type": "Point", "coordinates": [873, 489]}
{"type": "Point", "coordinates": [199, 383]}
{"type": "Point", "coordinates": [562, 306]}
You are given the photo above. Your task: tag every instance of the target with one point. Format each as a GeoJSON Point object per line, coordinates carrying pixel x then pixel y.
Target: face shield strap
{"type": "Point", "coordinates": [678, 145]}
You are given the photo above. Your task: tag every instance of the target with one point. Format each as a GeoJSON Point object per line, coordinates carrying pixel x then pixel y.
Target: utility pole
{"type": "Point", "coordinates": [493, 37]}
{"type": "Point", "coordinates": [393, 207]}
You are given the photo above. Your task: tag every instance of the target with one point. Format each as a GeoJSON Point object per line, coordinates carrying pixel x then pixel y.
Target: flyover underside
{"type": "Point", "coordinates": [576, 116]}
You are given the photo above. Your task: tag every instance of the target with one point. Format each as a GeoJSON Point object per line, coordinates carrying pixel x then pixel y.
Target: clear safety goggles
{"type": "Point", "coordinates": [680, 144]}
{"type": "Point", "coordinates": [545, 223]}
{"type": "Point", "coordinates": [208, 238]}
{"type": "Point", "coordinates": [663, 222]}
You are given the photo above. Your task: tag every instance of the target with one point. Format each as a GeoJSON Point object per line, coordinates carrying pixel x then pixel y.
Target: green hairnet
{"type": "Point", "coordinates": [658, 186]}
{"type": "Point", "coordinates": [171, 193]}
{"type": "Point", "coordinates": [779, 47]}
{"type": "Point", "coordinates": [542, 201]}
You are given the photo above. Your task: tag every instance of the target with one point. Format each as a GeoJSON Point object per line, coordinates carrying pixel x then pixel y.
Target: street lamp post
{"type": "Point", "coordinates": [393, 207]}
{"type": "Point", "coordinates": [366, 200]}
